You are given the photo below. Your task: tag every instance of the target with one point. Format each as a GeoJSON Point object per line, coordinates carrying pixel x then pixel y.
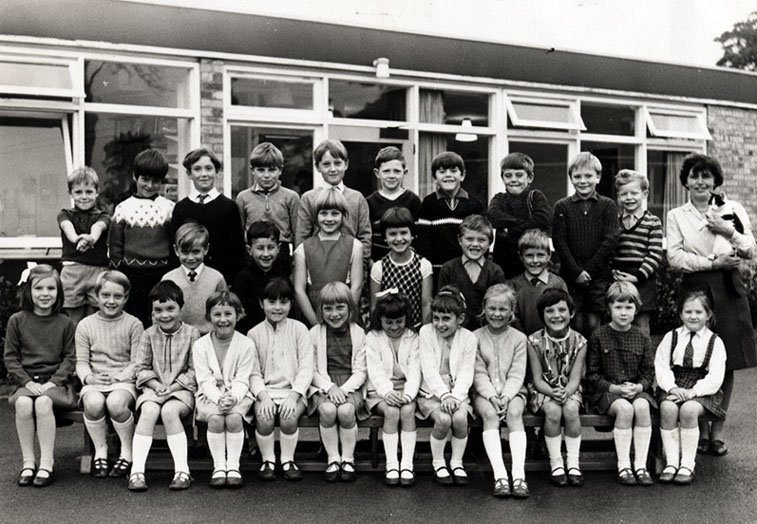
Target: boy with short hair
{"type": "Point", "coordinates": [584, 232]}
{"type": "Point", "coordinates": [533, 248]}
{"type": "Point", "coordinates": [517, 210]}
{"type": "Point", "coordinates": [389, 169]}
{"type": "Point", "coordinates": [217, 212]}
{"type": "Point", "coordinates": [85, 244]}
{"type": "Point", "coordinates": [472, 273]}
{"type": "Point", "coordinates": [196, 280]}
{"type": "Point", "coordinates": [140, 238]}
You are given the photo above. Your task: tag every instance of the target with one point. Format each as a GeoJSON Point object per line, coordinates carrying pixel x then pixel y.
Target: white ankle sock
{"type": "Point", "coordinates": [518, 451]}
{"type": "Point", "coordinates": [234, 445]}
{"type": "Point", "coordinates": [689, 441]}
{"type": "Point", "coordinates": [408, 438]}
{"type": "Point", "coordinates": [641, 438]}
{"type": "Point", "coordinates": [98, 432]}
{"type": "Point", "coordinates": [555, 454]}
{"type": "Point", "coordinates": [125, 431]}
{"type": "Point", "coordinates": [493, 446]}
{"type": "Point", "coordinates": [670, 446]}
{"type": "Point", "coordinates": [217, 445]}
{"type": "Point", "coordinates": [622, 438]}
{"type": "Point", "coordinates": [177, 444]}
{"type": "Point", "coordinates": [458, 450]}
{"type": "Point", "coordinates": [265, 445]}
{"type": "Point", "coordinates": [288, 444]}
{"type": "Point", "coordinates": [391, 441]}
{"type": "Point", "coordinates": [572, 451]}
{"type": "Point", "coordinates": [349, 439]}
{"type": "Point", "coordinates": [140, 446]}
{"type": "Point", "coordinates": [437, 451]}
{"type": "Point", "coordinates": [330, 439]}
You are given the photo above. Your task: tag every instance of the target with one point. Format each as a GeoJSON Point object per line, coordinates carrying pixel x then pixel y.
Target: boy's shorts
{"type": "Point", "coordinates": [78, 282]}
{"type": "Point", "coordinates": [591, 298]}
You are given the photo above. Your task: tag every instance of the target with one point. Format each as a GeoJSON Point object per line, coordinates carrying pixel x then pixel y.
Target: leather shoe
{"type": "Point", "coordinates": [560, 479]}
{"type": "Point", "coordinates": [181, 480]}
{"type": "Point", "coordinates": [576, 478]}
{"type": "Point", "coordinates": [44, 481]}
{"type": "Point", "coordinates": [25, 477]}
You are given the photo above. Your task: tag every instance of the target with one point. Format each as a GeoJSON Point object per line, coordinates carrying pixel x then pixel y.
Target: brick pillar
{"type": "Point", "coordinates": [211, 108]}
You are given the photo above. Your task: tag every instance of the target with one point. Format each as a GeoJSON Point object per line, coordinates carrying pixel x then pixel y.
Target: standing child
{"type": "Point", "coordinates": [196, 280]}
{"type": "Point", "coordinates": [328, 256]}
{"type": "Point", "coordinates": [689, 367]}
{"type": "Point", "coordinates": [584, 232]}
{"type": "Point", "coordinates": [620, 366]}
{"type": "Point", "coordinates": [472, 273]}
{"type": "Point", "coordinates": [556, 356]}
{"type": "Point", "coordinates": [166, 379]}
{"type": "Point", "coordinates": [534, 252]}
{"type": "Point", "coordinates": [39, 358]}
{"type": "Point", "coordinates": [500, 371]}
{"type": "Point", "coordinates": [106, 347]}
{"type": "Point", "coordinates": [218, 213]}
{"type": "Point", "coordinates": [223, 361]}
{"type": "Point", "coordinates": [389, 169]}
{"type": "Point", "coordinates": [402, 268]}
{"type": "Point", "coordinates": [140, 237]}
{"type": "Point", "coordinates": [281, 375]}
{"type": "Point", "coordinates": [517, 210]}
{"type": "Point", "coordinates": [448, 360]}
{"type": "Point", "coordinates": [638, 252]}
{"type": "Point", "coordinates": [85, 244]}
{"type": "Point", "coordinates": [337, 392]}
{"type": "Point", "coordinates": [394, 377]}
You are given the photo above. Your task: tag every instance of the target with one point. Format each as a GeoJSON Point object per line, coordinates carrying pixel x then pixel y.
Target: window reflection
{"type": "Point", "coordinates": [452, 107]}
{"type": "Point", "coordinates": [475, 155]}
{"type": "Point", "coordinates": [614, 157]}
{"type": "Point", "coordinates": [263, 92]}
{"type": "Point", "coordinates": [550, 167]}
{"type": "Point", "coordinates": [608, 120]}
{"type": "Point", "coordinates": [136, 84]}
{"type": "Point", "coordinates": [348, 99]}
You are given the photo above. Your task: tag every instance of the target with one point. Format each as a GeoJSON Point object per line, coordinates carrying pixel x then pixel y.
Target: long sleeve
{"type": "Point", "coordinates": [68, 362]}
{"type": "Point", "coordinates": [12, 354]}
{"type": "Point", "coordinates": [430, 362]}
{"type": "Point", "coordinates": [305, 362]}
{"type": "Point", "coordinates": [240, 382]}
{"type": "Point", "coordinates": [467, 364]}
{"type": "Point", "coordinates": [743, 242]}
{"type": "Point", "coordinates": [359, 371]}
{"type": "Point", "coordinates": [594, 365]}
{"type": "Point", "coordinates": [206, 380]}
{"type": "Point", "coordinates": [128, 374]}
{"type": "Point", "coordinates": [257, 383]}
{"type": "Point", "coordinates": [541, 215]}
{"type": "Point", "coordinates": [481, 380]}
{"type": "Point", "coordinates": [187, 378]}
{"type": "Point", "coordinates": [603, 253]}
{"type": "Point", "coordinates": [560, 240]}
{"type": "Point", "coordinates": [664, 375]}
{"type": "Point", "coordinates": [679, 258]}
{"type": "Point", "coordinates": [653, 258]}
{"type": "Point", "coordinates": [83, 343]}
{"type": "Point", "coordinates": [376, 369]}
{"type": "Point", "coordinates": [363, 233]}
{"type": "Point", "coordinates": [517, 372]}
{"type": "Point", "coordinates": [305, 220]}
{"type": "Point", "coordinates": [143, 363]}
{"type": "Point", "coordinates": [711, 383]}
{"type": "Point", "coordinates": [116, 242]}
{"type": "Point", "coordinates": [321, 380]}
{"type": "Point", "coordinates": [413, 369]}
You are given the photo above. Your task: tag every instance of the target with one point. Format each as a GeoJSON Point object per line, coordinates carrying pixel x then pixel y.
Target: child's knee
{"type": "Point", "coordinates": [216, 424]}
{"type": "Point", "coordinates": [689, 413]}
{"type": "Point", "coordinates": [264, 427]}
{"type": "Point", "coordinates": [327, 414]}
{"type": "Point", "coordinates": [94, 405]}
{"type": "Point", "coordinates": [407, 413]}
{"type": "Point", "coordinates": [234, 423]}
{"type": "Point", "coordinates": [668, 413]}
{"type": "Point", "coordinates": [552, 412]}
{"type": "Point", "coordinates": [118, 407]}
{"type": "Point", "coordinates": [346, 414]}
{"type": "Point", "coordinates": [24, 406]}
{"type": "Point", "coordinates": [170, 412]}
{"type": "Point", "coordinates": [43, 405]}
{"type": "Point", "coordinates": [289, 425]}
{"type": "Point", "coordinates": [641, 412]}
{"type": "Point", "coordinates": [623, 412]}
{"type": "Point", "coordinates": [442, 422]}
{"type": "Point", "coordinates": [460, 420]}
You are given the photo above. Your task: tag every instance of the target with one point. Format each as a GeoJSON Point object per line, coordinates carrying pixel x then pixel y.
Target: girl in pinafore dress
{"type": "Point", "coordinates": [327, 256]}
{"type": "Point", "coordinates": [337, 392]}
{"type": "Point", "coordinates": [448, 360]}
{"type": "Point", "coordinates": [620, 367]}
{"type": "Point", "coordinates": [106, 346]}
{"type": "Point", "coordinates": [556, 356]}
{"type": "Point", "coordinates": [223, 361]}
{"type": "Point", "coordinates": [689, 366]}
{"type": "Point", "coordinates": [394, 377]}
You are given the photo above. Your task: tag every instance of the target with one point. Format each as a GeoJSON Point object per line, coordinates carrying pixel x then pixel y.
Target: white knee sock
{"type": "Point", "coordinates": [670, 446]}
{"type": "Point", "coordinates": [408, 439]}
{"type": "Point", "coordinates": [493, 446]}
{"type": "Point", "coordinates": [177, 444]}
{"type": "Point", "coordinates": [330, 439]}
{"type": "Point", "coordinates": [46, 439]}
{"type": "Point", "coordinates": [349, 439]}
{"type": "Point", "coordinates": [25, 430]}
{"type": "Point", "coordinates": [125, 431]}
{"type": "Point", "coordinates": [234, 445]}
{"type": "Point", "coordinates": [288, 444]}
{"type": "Point", "coordinates": [641, 438]}
{"type": "Point", "coordinates": [437, 451]}
{"type": "Point", "coordinates": [98, 432]}
{"type": "Point", "coordinates": [689, 441]}
{"type": "Point", "coordinates": [622, 438]}
{"type": "Point", "coordinates": [265, 445]}
{"type": "Point", "coordinates": [391, 442]}
{"type": "Point", "coordinates": [572, 451]}
{"type": "Point", "coordinates": [140, 446]}
{"type": "Point", "coordinates": [555, 454]}
{"type": "Point", "coordinates": [458, 449]}
{"type": "Point", "coordinates": [518, 452]}
{"type": "Point", "coordinates": [217, 445]}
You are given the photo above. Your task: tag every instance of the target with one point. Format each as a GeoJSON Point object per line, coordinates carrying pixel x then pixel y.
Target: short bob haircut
{"type": "Point", "coordinates": [263, 229]}
{"type": "Point", "coordinates": [517, 161]}
{"type": "Point", "coordinates": [115, 277]}
{"type": "Point", "coordinates": [392, 305]}
{"type": "Point", "coordinates": [278, 289]}
{"type": "Point", "coordinates": [387, 154]}
{"type": "Point", "coordinates": [194, 156]}
{"type": "Point", "coordinates": [628, 176]}
{"type": "Point", "coordinates": [397, 216]}
{"type": "Point", "coordinates": [623, 292]}
{"type": "Point", "coordinates": [265, 154]}
{"type": "Point", "coordinates": [447, 160]}
{"type": "Point", "coordinates": [585, 159]}
{"type": "Point", "coordinates": [165, 291]}
{"type": "Point", "coordinates": [533, 239]}
{"type": "Point", "coordinates": [503, 291]}
{"type": "Point", "coordinates": [704, 299]}
{"type": "Point", "coordinates": [552, 296]}
{"type": "Point", "coordinates": [477, 223]}
{"type": "Point", "coordinates": [336, 293]}
{"type": "Point", "coordinates": [330, 198]}
{"type": "Point", "coordinates": [37, 273]}
{"type": "Point", "coordinates": [224, 298]}
{"type": "Point", "coordinates": [191, 234]}
{"type": "Point", "coordinates": [83, 175]}
{"type": "Point", "coordinates": [150, 164]}
{"type": "Point", "coordinates": [698, 163]}
{"type": "Point", "coordinates": [334, 147]}
{"type": "Point", "coordinates": [449, 300]}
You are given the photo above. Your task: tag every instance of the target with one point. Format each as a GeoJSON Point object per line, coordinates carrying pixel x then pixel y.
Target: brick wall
{"type": "Point", "coordinates": [211, 108]}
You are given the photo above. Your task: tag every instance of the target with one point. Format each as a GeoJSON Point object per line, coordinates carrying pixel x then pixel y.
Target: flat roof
{"type": "Point", "coordinates": [222, 32]}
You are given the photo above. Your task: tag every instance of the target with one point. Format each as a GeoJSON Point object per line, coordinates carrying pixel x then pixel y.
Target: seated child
{"type": "Point", "coordinates": [166, 380]}
{"type": "Point", "coordinates": [556, 356]}
{"type": "Point", "coordinates": [389, 169]}
{"type": "Point", "coordinates": [39, 358]}
{"type": "Point", "coordinates": [689, 367]}
{"type": "Point", "coordinates": [472, 273]}
{"type": "Point", "coordinates": [517, 210]}
{"type": "Point", "coordinates": [402, 268]}
{"type": "Point", "coordinates": [106, 348]}
{"type": "Point", "coordinates": [394, 376]}
{"type": "Point", "coordinates": [448, 360]}
{"type": "Point", "coordinates": [337, 391]}
{"type": "Point", "coordinates": [281, 375]}
{"type": "Point", "coordinates": [223, 361]}
{"type": "Point", "coordinates": [620, 367]}
{"type": "Point", "coordinates": [533, 249]}
{"type": "Point", "coordinates": [196, 280]}
{"type": "Point", "coordinates": [328, 256]}
{"type": "Point", "coordinates": [85, 244]}
{"type": "Point", "coordinates": [501, 365]}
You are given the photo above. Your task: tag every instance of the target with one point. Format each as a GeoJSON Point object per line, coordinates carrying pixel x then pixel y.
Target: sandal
{"type": "Point", "coordinates": [626, 477]}
{"type": "Point", "coordinates": [684, 476]}
{"type": "Point", "coordinates": [218, 478]}
{"type": "Point", "coordinates": [137, 482]}
{"type": "Point", "coordinates": [100, 468]}
{"type": "Point", "coordinates": [668, 474]}
{"type": "Point", "coordinates": [407, 478]}
{"type": "Point", "coordinates": [520, 489]}
{"type": "Point", "coordinates": [703, 446]}
{"type": "Point", "coordinates": [333, 471]}
{"type": "Point", "coordinates": [120, 468]}
{"type": "Point", "coordinates": [348, 472]}
{"type": "Point", "coordinates": [558, 477]}
{"type": "Point", "coordinates": [576, 478]}
{"type": "Point", "coordinates": [392, 477]}
{"type": "Point", "coordinates": [442, 476]}
{"type": "Point", "coordinates": [459, 476]}
{"type": "Point", "coordinates": [234, 479]}
{"type": "Point", "coordinates": [24, 478]}
{"type": "Point", "coordinates": [643, 478]}
{"type": "Point", "coordinates": [267, 471]}
{"type": "Point", "coordinates": [502, 488]}
{"type": "Point", "coordinates": [181, 480]}
{"type": "Point", "coordinates": [291, 471]}
{"type": "Point", "coordinates": [718, 448]}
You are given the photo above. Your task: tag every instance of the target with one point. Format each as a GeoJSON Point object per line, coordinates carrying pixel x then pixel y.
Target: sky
{"type": "Point", "coordinates": [678, 31]}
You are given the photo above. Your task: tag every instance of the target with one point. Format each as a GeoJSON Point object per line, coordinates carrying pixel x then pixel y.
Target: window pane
{"type": "Point", "coordinates": [550, 167]}
{"type": "Point", "coordinates": [136, 84]}
{"type": "Point", "coordinates": [34, 181]}
{"type": "Point", "coordinates": [112, 142]}
{"type": "Point", "coordinates": [665, 189]}
{"type": "Point", "coordinates": [614, 157]}
{"type": "Point", "coordinates": [608, 120]}
{"type": "Point", "coordinates": [543, 115]}
{"type": "Point", "coordinates": [452, 107]}
{"type": "Point", "coordinates": [295, 144]}
{"type": "Point", "coordinates": [675, 125]}
{"type": "Point", "coordinates": [369, 101]}
{"type": "Point", "coordinates": [261, 92]}
{"type": "Point", "coordinates": [475, 155]}
{"type": "Point", "coordinates": [49, 76]}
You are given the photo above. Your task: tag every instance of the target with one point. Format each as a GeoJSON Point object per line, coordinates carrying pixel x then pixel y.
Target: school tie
{"type": "Point", "coordinates": [688, 353]}
{"type": "Point", "coordinates": [535, 281]}
{"type": "Point", "coordinates": [202, 198]}
{"type": "Point", "coordinates": [192, 275]}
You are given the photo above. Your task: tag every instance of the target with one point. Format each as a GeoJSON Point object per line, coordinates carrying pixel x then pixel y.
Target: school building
{"type": "Point", "coordinates": [95, 81]}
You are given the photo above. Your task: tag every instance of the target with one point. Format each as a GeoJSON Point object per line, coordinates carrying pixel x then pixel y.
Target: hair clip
{"type": "Point", "coordinates": [25, 273]}
{"type": "Point", "coordinates": [388, 292]}
{"type": "Point", "coordinates": [449, 293]}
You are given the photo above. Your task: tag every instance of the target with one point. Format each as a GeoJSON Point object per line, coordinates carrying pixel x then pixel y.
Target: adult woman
{"type": "Point", "coordinates": [695, 234]}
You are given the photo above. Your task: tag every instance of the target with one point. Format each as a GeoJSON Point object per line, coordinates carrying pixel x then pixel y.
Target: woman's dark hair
{"type": "Point", "coordinates": [698, 163]}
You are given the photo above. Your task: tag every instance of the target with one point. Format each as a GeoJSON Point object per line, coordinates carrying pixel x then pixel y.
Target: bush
{"type": "Point", "coordinates": [8, 306]}
{"type": "Point", "coordinates": [668, 285]}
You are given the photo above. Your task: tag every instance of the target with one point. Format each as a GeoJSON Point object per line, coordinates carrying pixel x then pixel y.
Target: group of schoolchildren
{"type": "Point", "coordinates": [494, 341]}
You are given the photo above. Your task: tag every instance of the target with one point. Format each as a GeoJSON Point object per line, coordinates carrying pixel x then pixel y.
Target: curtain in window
{"type": "Point", "coordinates": [675, 194]}
{"type": "Point", "coordinates": [430, 146]}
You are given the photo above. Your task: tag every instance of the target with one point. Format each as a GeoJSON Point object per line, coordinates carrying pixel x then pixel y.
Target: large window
{"type": "Point", "coordinates": [550, 167]}
{"type": "Point", "coordinates": [665, 189]}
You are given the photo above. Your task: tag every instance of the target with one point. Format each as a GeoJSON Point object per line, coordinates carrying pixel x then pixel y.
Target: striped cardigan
{"type": "Point", "coordinates": [639, 249]}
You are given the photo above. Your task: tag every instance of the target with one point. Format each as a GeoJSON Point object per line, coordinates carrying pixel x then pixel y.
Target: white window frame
{"type": "Point", "coordinates": [570, 104]}
{"type": "Point", "coordinates": [700, 116]}
{"type": "Point", "coordinates": [74, 71]}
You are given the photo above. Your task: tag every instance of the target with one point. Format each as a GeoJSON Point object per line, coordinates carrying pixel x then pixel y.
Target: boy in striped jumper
{"type": "Point", "coordinates": [638, 252]}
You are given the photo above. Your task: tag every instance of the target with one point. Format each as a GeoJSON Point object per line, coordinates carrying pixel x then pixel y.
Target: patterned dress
{"type": "Point", "coordinates": [557, 357]}
{"type": "Point", "coordinates": [408, 280]}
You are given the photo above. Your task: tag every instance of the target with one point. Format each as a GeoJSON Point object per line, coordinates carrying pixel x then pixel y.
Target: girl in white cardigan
{"type": "Point", "coordinates": [394, 376]}
{"type": "Point", "coordinates": [448, 360]}
{"type": "Point", "coordinates": [223, 361]}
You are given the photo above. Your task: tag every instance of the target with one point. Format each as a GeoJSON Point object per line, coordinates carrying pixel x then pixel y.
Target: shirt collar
{"type": "Point", "coordinates": [575, 198]}
{"type": "Point", "coordinates": [543, 276]}
{"type": "Point", "coordinates": [461, 193]}
{"type": "Point", "coordinates": [339, 186]}
{"type": "Point", "coordinates": [194, 195]}
{"type": "Point", "coordinates": [480, 261]}
{"type": "Point", "coordinates": [703, 333]}
{"type": "Point", "coordinates": [636, 216]}
{"type": "Point", "coordinates": [197, 271]}
{"type": "Point", "coordinates": [257, 189]}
